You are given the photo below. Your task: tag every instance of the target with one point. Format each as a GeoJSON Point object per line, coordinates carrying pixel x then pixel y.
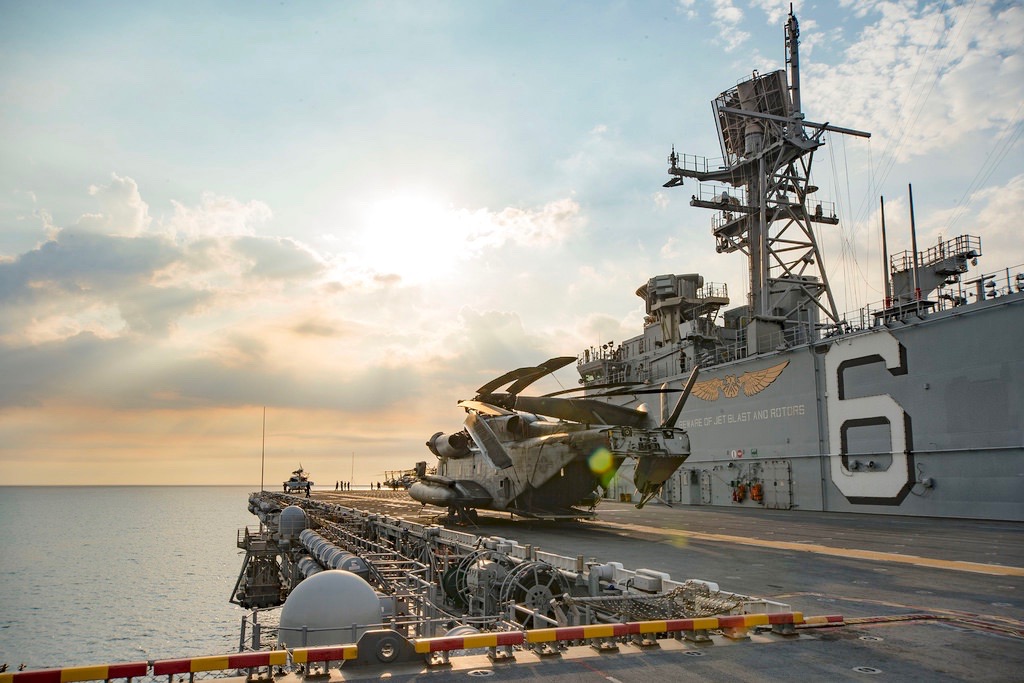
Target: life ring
{"type": "Point", "coordinates": [739, 493]}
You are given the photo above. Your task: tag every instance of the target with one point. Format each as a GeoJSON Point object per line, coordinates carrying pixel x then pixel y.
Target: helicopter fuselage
{"type": "Point", "coordinates": [561, 467]}
{"type": "Point", "coordinates": [543, 456]}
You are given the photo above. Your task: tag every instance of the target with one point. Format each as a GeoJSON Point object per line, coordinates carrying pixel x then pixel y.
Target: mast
{"type": "Point", "coordinates": [913, 244]}
{"type": "Point", "coordinates": [793, 58]}
{"type": "Point", "coordinates": [761, 192]}
{"type": "Point", "coordinates": [885, 259]}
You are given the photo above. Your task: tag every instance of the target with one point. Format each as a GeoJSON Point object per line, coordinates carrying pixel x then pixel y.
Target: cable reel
{"type": "Point", "coordinates": [533, 584]}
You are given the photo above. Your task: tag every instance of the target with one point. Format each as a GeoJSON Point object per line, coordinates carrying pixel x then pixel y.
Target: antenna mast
{"type": "Point", "coordinates": [761, 193]}
{"type": "Point", "coordinates": [263, 457]}
{"type": "Point", "coordinates": [793, 58]}
{"type": "Point", "coordinates": [885, 259]}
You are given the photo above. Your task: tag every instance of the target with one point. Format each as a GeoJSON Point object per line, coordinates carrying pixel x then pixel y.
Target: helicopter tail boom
{"type": "Point", "coordinates": [658, 454]}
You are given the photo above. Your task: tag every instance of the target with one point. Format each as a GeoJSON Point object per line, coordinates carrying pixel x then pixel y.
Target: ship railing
{"type": "Point", "coordinates": [698, 164]}
{"type": "Point", "coordinates": [247, 534]}
{"type": "Point", "coordinates": [821, 209]}
{"type": "Point", "coordinates": [1000, 283]}
{"type": "Point", "coordinates": [989, 286]}
{"type": "Point", "coordinates": [713, 290]}
{"type": "Point", "coordinates": [595, 353]}
{"type": "Point", "coordinates": [962, 246]}
{"type": "Point", "coordinates": [738, 349]}
{"type": "Point", "coordinates": [726, 195]}
{"type": "Point", "coordinates": [722, 219]}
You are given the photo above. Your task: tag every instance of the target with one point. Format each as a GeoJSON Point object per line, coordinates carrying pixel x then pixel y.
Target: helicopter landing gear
{"type": "Point", "coordinates": [458, 514]}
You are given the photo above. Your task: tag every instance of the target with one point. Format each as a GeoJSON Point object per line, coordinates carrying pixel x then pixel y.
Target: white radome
{"type": "Point", "coordinates": [328, 604]}
{"type": "Point", "coordinates": [292, 522]}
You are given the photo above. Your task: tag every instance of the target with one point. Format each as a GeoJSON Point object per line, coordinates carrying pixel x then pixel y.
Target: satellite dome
{"type": "Point", "coordinates": [327, 605]}
{"type": "Point", "coordinates": [292, 521]}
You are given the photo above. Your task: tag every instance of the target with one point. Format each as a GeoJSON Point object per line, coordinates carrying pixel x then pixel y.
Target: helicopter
{"type": "Point", "coordinates": [542, 456]}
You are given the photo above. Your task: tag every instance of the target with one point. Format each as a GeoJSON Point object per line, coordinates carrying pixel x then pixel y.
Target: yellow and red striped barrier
{"type": "Point", "coordinates": [547, 635]}
{"type": "Point", "coordinates": [424, 646]}
{"type": "Point", "coordinates": [248, 660]}
{"type": "Point", "coordinates": [77, 673]}
{"type": "Point", "coordinates": [593, 631]}
{"type": "Point", "coordinates": [337, 653]}
{"type": "Point", "coordinates": [825, 619]}
{"type": "Point", "coordinates": [470, 642]}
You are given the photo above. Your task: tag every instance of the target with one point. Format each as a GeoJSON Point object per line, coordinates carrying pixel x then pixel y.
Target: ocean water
{"type": "Point", "coordinates": [96, 575]}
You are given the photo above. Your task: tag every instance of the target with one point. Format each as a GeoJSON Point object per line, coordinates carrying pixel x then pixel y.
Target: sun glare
{"type": "Point", "coordinates": [414, 236]}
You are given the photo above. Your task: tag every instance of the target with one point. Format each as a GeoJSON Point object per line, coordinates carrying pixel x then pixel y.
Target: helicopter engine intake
{"type": "Point", "coordinates": [449, 445]}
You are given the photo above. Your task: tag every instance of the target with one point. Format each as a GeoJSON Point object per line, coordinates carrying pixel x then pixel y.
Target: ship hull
{"type": "Point", "coordinates": [920, 417]}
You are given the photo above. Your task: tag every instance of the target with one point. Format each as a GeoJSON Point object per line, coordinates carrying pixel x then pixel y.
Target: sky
{"type": "Point", "coordinates": [347, 216]}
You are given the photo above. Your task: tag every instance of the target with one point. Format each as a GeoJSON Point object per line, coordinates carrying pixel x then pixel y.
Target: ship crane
{"type": "Point", "coordinates": [761, 193]}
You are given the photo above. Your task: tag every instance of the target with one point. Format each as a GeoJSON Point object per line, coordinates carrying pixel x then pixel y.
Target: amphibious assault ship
{"type": "Point", "coordinates": [911, 406]}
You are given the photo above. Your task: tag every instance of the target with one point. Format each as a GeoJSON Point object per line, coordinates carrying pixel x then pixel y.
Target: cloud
{"type": "Point", "coordinates": [118, 272]}
{"type": "Point", "coordinates": [198, 309]}
{"type": "Point", "coordinates": [490, 339]}
{"type": "Point", "coordinates": [79, 263]}
{"type": "Point", "coordinates": [81, 281]}
{"type": "Point", "coordinates": [685, 7]}
{"type": "Point", "coordinates": [318, 328]}
{"type": "Point", "coordinates": [726, 18]}
{"type": "Point", "coordinates": [776, 11]}
{"type": "Point", "coordinates": [922, 79]}
{"type": "Point", "coordinates": [671, 248]}
{"type": "Point", "coordinates": [216, 216]}
{"type": "Point", "coordinates": [547, 226]}
{"type": "Point", "coordinates": [154, 311]}
{"type": "Point", "coordinates": [998, 209]}
{"type": "Point", "coordinates": [35, 375]}
{"type": "Point", "coordinates": [54, 291]}
{"type": "Point", "coordinates": [122, 211]}
{"type": "Point", "coordinates": [278, 258]}
{"type": "Point", "coordinates": [413, 239]}
{"type": "Point", "coordinates": [605, 163]}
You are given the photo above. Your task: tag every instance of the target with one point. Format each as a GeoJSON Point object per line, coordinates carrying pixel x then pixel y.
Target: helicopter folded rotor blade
{"type": "Point", "coordinates": [544, 369]}
{"type": "Point", "coordinates": [633, 392]}
{"type": "Point", "coordinates": [607, 385]}
{"type": "Point", "coordinates": [587, 411]}
{"type": "Point", "coordinates": [484, 408]}
{"type": "Point", "coordinates": [508, 377]}
{"type": "Point", "coordinates": [524, 377]}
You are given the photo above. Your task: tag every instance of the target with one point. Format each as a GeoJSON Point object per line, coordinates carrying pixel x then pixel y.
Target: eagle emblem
{"type": "Point", "coordinates": [730, 385]}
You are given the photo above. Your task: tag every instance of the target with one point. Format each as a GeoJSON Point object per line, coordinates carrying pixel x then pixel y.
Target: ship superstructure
{"type": "Point", "coordinates": [910, 406]}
